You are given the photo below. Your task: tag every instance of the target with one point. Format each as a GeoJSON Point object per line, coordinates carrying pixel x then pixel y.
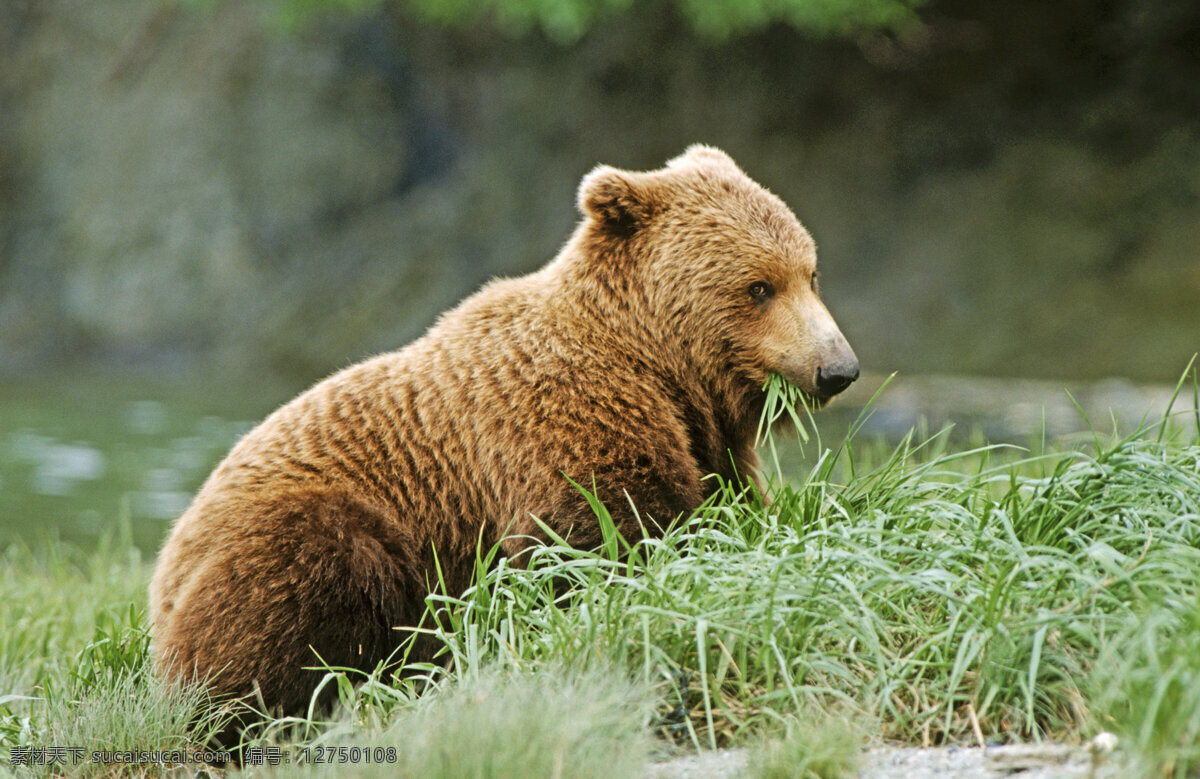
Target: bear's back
{"type": "Point", "coordinates": [459, 439]}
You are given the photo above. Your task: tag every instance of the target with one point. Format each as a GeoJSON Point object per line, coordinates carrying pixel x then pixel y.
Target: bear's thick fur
{"type": "Point", "coordinates": [636, 358]}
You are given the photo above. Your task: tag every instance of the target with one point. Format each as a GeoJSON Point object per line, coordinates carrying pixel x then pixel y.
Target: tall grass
{"type": "Point", "coordinates": [939, 594]}
{"type": "Point", "coordinates": [919, 593]}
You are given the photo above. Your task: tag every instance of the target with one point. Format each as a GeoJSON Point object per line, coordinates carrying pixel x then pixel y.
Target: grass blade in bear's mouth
{"type": "Point", "coordinates": [785, 397]}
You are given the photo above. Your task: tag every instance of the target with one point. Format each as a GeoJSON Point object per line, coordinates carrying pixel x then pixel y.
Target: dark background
{"type": "Point", "coordinates": [1009, 189]}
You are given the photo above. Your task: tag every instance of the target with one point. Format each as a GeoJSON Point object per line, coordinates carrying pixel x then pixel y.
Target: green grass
{"type": "Point", "coordinates": [920, 588]}
{"type": "Point", "coordinates": [497, 723]}
{"type": "Point", "coordinates": [74, 663]}
{"type": "Point", "coordinates": [809, 748]}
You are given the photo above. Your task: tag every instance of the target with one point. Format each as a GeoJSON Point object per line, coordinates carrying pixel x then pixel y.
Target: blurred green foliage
{"type": "Point", "coordinates": [568, 20]}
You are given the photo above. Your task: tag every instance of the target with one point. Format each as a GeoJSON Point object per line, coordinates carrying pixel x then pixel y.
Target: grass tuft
{"type": "Point", "coordinates": [75, 666]}
{"type": "Point", "coordinates": [1148, 686]}
{"type": "Point", "coordinates": [501, 723]}
{"type": "Point", "coordinates": [814, 747]}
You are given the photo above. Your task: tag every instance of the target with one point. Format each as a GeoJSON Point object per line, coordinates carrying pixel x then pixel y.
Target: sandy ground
{"type": "Point", "coordinates": [1032, 761]}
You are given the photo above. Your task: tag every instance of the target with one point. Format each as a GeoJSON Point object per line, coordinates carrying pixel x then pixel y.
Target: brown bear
{"type": "Point", "coordinates": [634, 361]}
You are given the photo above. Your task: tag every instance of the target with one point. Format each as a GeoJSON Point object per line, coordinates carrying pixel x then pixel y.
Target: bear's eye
{"type": "Point", "coordinates": [761, 290]}
{"type": "Point", "coordinates": [812, 283]}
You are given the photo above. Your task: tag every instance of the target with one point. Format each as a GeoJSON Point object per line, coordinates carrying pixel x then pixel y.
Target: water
{"type": "Point", "coordinates": [81, 455]}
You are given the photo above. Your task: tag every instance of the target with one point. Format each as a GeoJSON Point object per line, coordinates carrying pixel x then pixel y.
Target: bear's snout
{"type": "Point", "coordinates": [818, 359]}
{"type": "Point", "coordinates": [837, 368]}
{"type": "Point", "coordinates": [833, 379]}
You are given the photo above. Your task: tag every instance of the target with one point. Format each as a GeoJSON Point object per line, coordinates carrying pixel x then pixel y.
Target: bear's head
{"type": "Point", "coordinates": [722, 270]}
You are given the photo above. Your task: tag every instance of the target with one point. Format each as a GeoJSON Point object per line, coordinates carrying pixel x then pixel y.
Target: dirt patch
{"type": "Point", "coordinates": [1029, 761]}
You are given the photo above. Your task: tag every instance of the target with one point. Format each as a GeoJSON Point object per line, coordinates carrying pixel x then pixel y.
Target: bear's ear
{"type": "Point", "coordinates": [700, 153]}
{"type": "Point", "coordinates": [616, 199]}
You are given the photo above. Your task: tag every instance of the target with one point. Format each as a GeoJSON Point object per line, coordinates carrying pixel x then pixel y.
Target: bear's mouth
{"type": "Point", "coordinates": [818, 390]}
{"type": "Point", "coordinates": [799, 392]}
{"type": "Point", "coordinates": [816, 402]}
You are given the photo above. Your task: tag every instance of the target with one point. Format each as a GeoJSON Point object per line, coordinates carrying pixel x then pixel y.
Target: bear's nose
{"type": "Point", "coordinates": [834, 378]}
